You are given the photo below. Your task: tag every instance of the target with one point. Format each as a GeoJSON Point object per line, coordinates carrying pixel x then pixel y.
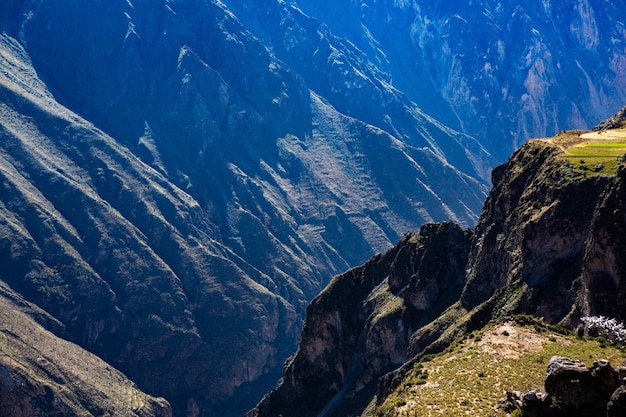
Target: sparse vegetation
{"type": "Point", "coordinates": [539, 325]}
{"type": "Point", "coordinates": [466, 380]}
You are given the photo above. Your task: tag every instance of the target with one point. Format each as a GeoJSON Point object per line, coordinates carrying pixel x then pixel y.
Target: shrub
{"type": "Point", "coordinates": [559, 329]}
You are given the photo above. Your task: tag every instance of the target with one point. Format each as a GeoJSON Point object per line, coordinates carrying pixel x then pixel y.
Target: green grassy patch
{"type": "Point", "coordinates": [621, 145]}
{"type": "Point", "coordinates": [591, 153]}
{"type": "Point", "coordinates": [470, 378]}
{"type": "Point", "coordinates": [595, 158]}
{"type": "Point", "coordinates": [585, 165]}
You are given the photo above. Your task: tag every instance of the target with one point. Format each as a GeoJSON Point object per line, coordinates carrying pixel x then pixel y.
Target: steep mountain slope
{"type": "Point", "coordinates": [357, 82]}
{"type": "Point", "coordinates": [125, 259]}
{"type": "Point", "coordinates": [503, 72]}
{"type": "Point", "coordinates": [44, 375]}
{"type": "Point", "coordinates": [173, 195]}
{"type": "Point", "coordinates": [549, 243]}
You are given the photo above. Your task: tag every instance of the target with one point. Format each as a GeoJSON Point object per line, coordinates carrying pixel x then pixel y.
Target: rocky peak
{"type": "Point", "coordinates": [360, 326]}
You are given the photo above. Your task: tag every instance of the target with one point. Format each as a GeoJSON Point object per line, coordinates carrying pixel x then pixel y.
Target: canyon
{"type": "Point", "coordinates": [179, 179]}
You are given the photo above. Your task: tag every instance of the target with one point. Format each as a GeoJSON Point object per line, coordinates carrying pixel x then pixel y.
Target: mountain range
{"type": "Point", "coordinates": [180, 178]}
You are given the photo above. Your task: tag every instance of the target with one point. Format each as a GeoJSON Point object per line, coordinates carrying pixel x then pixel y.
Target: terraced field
{"type": "Point", "coordinates": [592, 153]}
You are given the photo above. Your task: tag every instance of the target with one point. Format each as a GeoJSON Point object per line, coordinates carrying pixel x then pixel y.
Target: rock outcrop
{"type": "Point", "coordinates": [534, 231]}
{"type": "Point", "coordinates": [572, 389]}
{"type": "Point", "coordinates": [360, 326]}
{"type": "Point", "coordinates": [614, 122]}
{"type": "Point", "coordinates": [548, 243]}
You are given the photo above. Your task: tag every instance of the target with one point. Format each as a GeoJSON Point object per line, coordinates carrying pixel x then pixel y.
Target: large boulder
{"type": "Point", "coordinates": [567, 381]}
{"type": "Point", "coordinates": [572, 389]}
{"type": "Point", "coordinates": [575, 389]}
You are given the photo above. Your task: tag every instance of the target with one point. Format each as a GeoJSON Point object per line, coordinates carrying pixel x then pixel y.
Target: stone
{"type": "Point", "coordinates": [574, 388]}
{"type": "Point", "coordinates": [511, 402]}
{"type": "Point", "coordinates": [571, 389]}
{"type": "Point", "coordinates": [532, 396]}
{"type": "Point", "coordinates": [605, 376]}
{"type": "Point", "coordinates": [621, 371]}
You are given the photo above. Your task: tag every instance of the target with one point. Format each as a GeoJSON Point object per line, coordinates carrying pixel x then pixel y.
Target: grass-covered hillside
{"type": "Point", "coordinates": [471, 376]}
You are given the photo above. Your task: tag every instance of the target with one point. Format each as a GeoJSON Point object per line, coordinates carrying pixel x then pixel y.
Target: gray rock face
{"type": "Point", "coordinates": [359, 327]}
{"type": "Point", "coordinates": [557, 236]}
{"type": "Point", "coordinates": [533, 229]}
{"type": "Point", "coordinates": [604, 260]}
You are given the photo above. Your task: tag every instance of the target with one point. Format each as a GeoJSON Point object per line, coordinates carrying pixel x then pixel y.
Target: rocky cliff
{"type": "Point", "coordinates": [360, 326]}
{"type": "Point", "coordinates": [549, 243]}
